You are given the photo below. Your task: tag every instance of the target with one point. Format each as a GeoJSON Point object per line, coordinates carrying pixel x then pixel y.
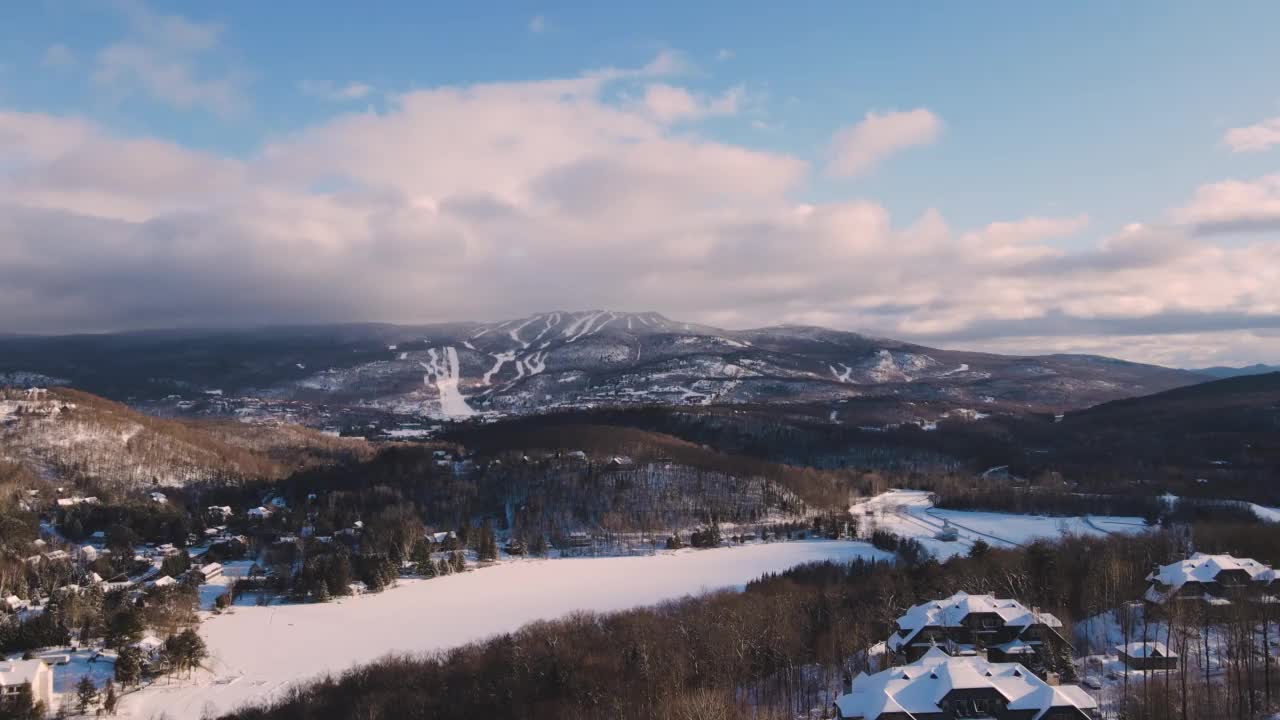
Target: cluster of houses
{"type": "Point", "coordinates": [969, 656]}
{"type": "Point", "coordinates": [979, 656]}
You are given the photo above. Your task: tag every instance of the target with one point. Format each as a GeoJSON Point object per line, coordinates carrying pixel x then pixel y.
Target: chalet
{"type": "Point", "coordinates": [164, 582]}
{"type": "Point", "coordinates": [1214, 580]}
{"type": "Point", "coordinates": [88, 553]}
{"type": "Point", "coordinates": [208, 572]}
{"type": "Point", "coordinates": [35, 674]}
{"type": "Point", "coordinates": [1151, 655]}
{"type": "Point", "coordinates": [941, 687]}
{"type": "Point", "coordinates": [963, 624]}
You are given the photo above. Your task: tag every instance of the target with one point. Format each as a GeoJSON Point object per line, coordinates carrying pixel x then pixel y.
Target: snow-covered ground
{"type": "Point", "coordinates": [256, 652]}
{"type": "Point", "coordinates": [910, 513]}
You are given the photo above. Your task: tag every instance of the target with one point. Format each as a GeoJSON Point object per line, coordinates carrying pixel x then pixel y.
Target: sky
{"type": "Point", "coordinates": [1006, 176]}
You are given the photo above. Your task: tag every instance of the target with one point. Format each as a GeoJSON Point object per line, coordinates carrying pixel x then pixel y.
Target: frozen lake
{"type": "Point", "coordinates": [255, 652]}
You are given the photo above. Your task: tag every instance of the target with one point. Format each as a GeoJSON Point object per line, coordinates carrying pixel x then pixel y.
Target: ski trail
{"type": "Point", "coordinates": [552, 320]}
{"type": "Point", "coordinates": [445, 374]}
{"type": "Point", "coordinates": [515, 332]}
{"type": "Point", "coordinates": [844, 377]}
{"type": "Point", "coordinates": [500, 359]}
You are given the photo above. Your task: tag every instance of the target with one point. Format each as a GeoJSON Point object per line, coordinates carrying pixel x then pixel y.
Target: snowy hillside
{"type": "Point", "coordinates": [557, 359]}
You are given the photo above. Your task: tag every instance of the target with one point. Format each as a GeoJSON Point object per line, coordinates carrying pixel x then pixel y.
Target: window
{"type": "Point", "coordinates": [971, 708]}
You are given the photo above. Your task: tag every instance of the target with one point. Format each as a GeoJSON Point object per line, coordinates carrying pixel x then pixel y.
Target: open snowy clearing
{"type": "Point", "coordinates": [910, 513]}
{"type": "Point", "coordinates": [256, 652]}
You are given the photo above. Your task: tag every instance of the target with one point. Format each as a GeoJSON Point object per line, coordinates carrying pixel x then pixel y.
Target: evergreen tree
{"type": "Point", "coordinates": [110, 699]}
{"type": "Point", "coordinates": [458, 561]}
{"type": "Point", "coordinates": [86, 694]}
{"type": "Point", "coordinates": [487, 549]}
{"type": "Point", "coordinates": [129, 666]}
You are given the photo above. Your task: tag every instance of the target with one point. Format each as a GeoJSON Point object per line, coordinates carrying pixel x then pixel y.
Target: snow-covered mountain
{"type": "Point", "coordinates": [552, 360]}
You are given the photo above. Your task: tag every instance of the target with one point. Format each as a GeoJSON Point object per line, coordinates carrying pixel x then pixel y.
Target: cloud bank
{"type": "Point", "coordinates": [495, 200]}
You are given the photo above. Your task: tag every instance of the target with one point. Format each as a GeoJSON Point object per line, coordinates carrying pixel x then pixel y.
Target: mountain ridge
{"type": "Point", "coordinates": [557, 359]}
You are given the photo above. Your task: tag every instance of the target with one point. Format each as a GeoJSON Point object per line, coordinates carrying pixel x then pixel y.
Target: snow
{"type": "Point", "coordinates": [444, 372]}
{"type": "Point", "coordinates": [1268, 514]}
{"type": "Point", "coordinates": [500, 359]}
{"type": "Point", "coordinates": [257, 652]}
{"type": "Point", "coordinates": [910, 513]}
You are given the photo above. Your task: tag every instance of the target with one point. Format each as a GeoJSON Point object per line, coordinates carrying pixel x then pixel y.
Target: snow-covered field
{"type": "Point", "coordinates": [910, 513]}
{"type": "Point", "coordinates": [256, 652]}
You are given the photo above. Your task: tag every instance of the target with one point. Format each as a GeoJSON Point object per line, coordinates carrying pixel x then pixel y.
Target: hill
{"type": "Point", "coordinates": [74, 438]}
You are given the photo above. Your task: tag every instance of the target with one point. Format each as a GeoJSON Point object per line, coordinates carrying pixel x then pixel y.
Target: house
{"type": "Point", "coordinates": [948, 533]}
{"type": "Point", "coordinates": [159, 497]}
{"type": "Point", "coordinates": [963, 624]}
{"type": "Point", "coordinates": [35, 674]}
{"type": "Point", "coordinates": [13, 603]}
{"type": "Point", "coordinates": [57, 555]}
{"type": "Point", "coordinates": [1214, 580]}
{"type": "Point", "coordinates": [259, 513]}
{"type": "Point", "coordinates": [164, 582]}
{"type": "Point", "coordinates": [208, 572]}
{"type": "Point", "coordinates": [150, 647]}
{"type": "Point", "coordinates": [941, 687]}
{"type": "Point", "coordinates": [88, 553]}
{"type": "Point", "coordinates": [219, 511]}
{"type": "Point", "coordinates": [1151, 655]}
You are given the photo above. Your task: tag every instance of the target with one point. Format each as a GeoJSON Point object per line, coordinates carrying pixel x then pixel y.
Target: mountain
{"type": "Point", "coordinates": [360, 374]}
{"type": "Point", "coordinates": [1226, 372]}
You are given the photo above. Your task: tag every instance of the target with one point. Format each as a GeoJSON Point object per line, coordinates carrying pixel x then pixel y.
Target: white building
{"type": "Point", "coordinates": [259, 513]}
{"type": "Point", "coordinates": [33, 673]}
{"type": "Point", "coordinates": [963, 624]}
{"type": "Point", "coordinates": [940, 686]}
{"type": "Point", "coordinates": [1211, 579]}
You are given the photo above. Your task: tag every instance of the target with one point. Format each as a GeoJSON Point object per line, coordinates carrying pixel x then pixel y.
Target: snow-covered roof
{"type": "Point", "coordinates": [1204, 568]}
{"type": "Point", "coordinates": [918, 688]}
{"type": "Point", "coordinates": [1149, 649]}
{"type": "Point", "coordinates": [19, 672]}
{"type": "Point", "coordinates": [951, 612]}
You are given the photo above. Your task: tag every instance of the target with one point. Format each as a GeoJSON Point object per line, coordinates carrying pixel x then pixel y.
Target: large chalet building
{"type": "Point", "coordinates": [1211, 580]}
{"type": "Point", "coordinates": [1003, 630]}
{"type": "Point", "coordinates": [941, 687]}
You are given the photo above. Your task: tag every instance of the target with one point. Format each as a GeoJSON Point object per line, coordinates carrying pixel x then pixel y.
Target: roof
{"type": "Point", "coordinates": [1203, 568]}
{"type": "Point", "coordinates": [918, 688]}
{"type": "Point", "coordinates": [951, 612]}
{"type": "Point", "coordinates": [1149, 649]}
{"type": "Point", "coordinates": [19, 672]}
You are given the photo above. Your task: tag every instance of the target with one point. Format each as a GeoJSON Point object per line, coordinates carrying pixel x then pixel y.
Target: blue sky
{"type": "Point", "coordinates": [1114, 112]}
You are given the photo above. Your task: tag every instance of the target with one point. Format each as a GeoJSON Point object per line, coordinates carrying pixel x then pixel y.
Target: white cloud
{"type": "Point", "coordinates": [724, 54]}
{"type": "Point", "coordinates": [484, 201]}
{"type": "Point", "coordinates": [1234, 205]}
{"type": "Point", "coordinates": [860, 148]}
{"type": "Point", "coordinates": [1255, 138]}
{"type": "Point", "coordinates": [538, 25]}
{"type": "Point", "coordinates": [170, 59]}
{"type": "Point", "coordinates": [58, 56]}
{"type": "Point", "coordinates": [335, 93]}
{"type": "Point", "coordinates": [669, 103]}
